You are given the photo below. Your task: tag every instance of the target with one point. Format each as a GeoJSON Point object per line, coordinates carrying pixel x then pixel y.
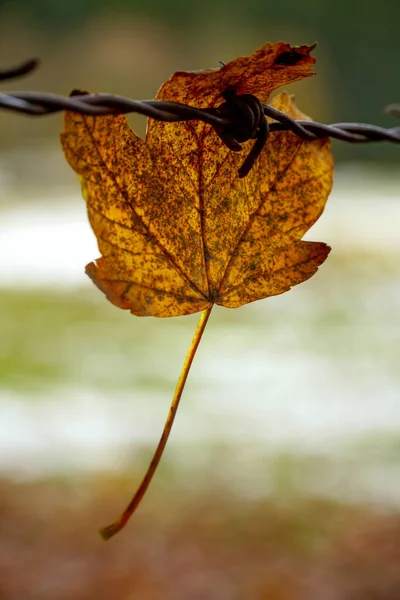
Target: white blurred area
{"type": "Point", "coordinates": [362, 214]}
{"type": "Point", "coordinates": [255, 391]}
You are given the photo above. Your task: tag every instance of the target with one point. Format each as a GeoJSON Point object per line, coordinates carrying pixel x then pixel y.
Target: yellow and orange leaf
{"type": "Point", "coordinates": [178, 231]}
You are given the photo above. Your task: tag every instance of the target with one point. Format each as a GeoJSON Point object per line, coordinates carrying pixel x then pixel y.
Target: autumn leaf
{"type": "Point", "coordinates": [177, 230]}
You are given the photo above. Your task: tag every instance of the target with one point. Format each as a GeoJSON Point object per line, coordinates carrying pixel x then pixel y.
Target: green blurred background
{"type": "Point", "coordinates": [281, 480]}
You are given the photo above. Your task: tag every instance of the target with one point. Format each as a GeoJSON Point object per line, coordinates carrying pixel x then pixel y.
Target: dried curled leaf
{"type": "Point", "coordinates": [178, 231]}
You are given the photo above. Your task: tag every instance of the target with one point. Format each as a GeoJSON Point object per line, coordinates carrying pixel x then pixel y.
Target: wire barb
{"type": "Point", "coordinates": [22, 69]}
{"type": "Point", "coordinates": [237, 120]}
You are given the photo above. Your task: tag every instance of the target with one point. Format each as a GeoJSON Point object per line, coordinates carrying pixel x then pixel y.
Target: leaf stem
{"type": "Point", "coordinates": [110, 530]}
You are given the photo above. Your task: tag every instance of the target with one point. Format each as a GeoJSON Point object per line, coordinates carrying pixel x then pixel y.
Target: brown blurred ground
{"type": "Point", "coordinates": [191, 546]}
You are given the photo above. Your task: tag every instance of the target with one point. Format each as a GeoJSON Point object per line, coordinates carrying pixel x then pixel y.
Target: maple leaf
{"type": "Point", "coordinates": [177, 229]}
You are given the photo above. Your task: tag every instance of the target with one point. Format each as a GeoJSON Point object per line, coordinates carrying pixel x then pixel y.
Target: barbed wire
{"type": "Point", "coordinates": [41, 103]}
{"type": "Point", "coordinates": [238, 119]}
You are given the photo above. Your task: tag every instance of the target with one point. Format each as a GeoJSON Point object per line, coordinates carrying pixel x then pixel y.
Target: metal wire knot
{"type": "Point", "coordinates": [246, 114]}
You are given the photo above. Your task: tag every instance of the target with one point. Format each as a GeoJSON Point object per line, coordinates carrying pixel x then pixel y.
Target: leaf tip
{"type": "Point", "coordinates": [109, 531]}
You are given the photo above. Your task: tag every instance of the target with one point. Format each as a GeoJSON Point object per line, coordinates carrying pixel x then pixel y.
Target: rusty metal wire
{"type": "Point", "coordinates": [235, 121]}
{"type": "Point", "coordinates": [40, 103]}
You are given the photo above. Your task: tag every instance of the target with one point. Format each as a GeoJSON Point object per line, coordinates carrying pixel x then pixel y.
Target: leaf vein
{"type": "Point", "coordinates": [123, 193]}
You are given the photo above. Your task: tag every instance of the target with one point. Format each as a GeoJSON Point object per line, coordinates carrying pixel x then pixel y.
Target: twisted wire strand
{"type": "Point", "coordinates": [39, 103]}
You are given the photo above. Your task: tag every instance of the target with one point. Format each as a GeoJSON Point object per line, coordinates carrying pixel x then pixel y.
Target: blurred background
{"type": "Point", "coordinates": [281, 480]}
